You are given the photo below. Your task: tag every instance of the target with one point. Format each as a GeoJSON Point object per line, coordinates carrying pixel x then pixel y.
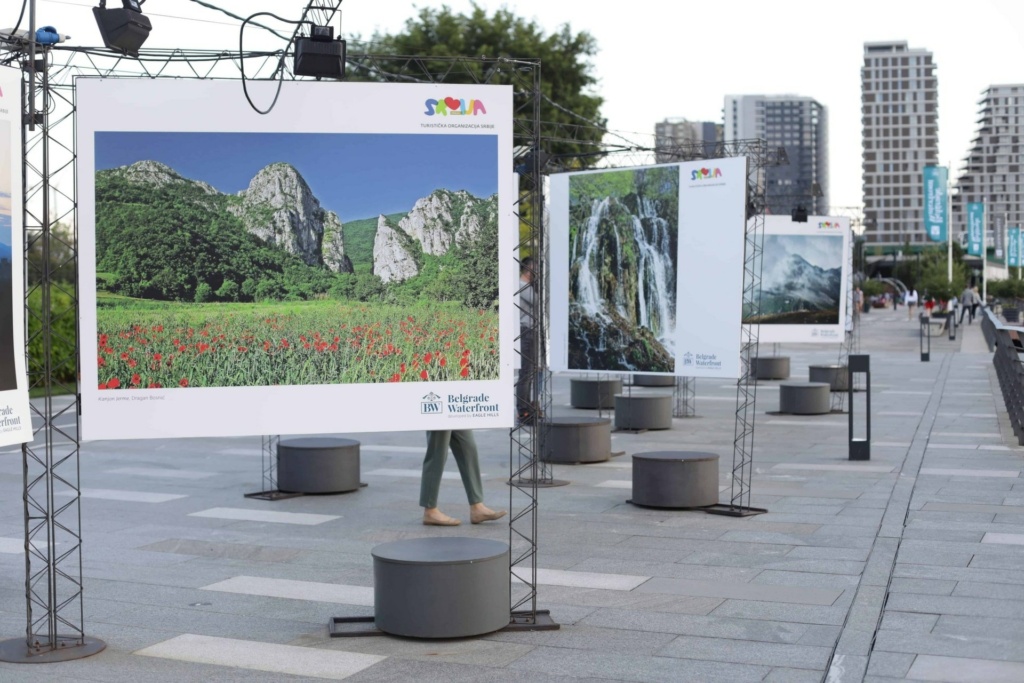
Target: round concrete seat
{"type": "Point", "coordinates": [651, 411]}
{"type": "Point", "coordinates": [452, 587]}
{"type": "Point", "coordinates": [654, 380]}
{"type": "Point", "coordinates": [804, 398]}
{"type": "Point", "coordinates": [318, 465]}
{"type": "Point", "coordinates": [593, 393]}
{"type": "Point", "coordinates": [834, 375]}
{"type": "Point", "coordinates": [675, 479]}
{"type": "Point", "coordinates": [572, 440]}
{"type": "Point", "coordinates": [771, 367]}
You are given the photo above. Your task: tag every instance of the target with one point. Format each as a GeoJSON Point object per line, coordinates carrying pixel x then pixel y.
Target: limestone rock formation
{"type": "Point", "coordinates": [392, 260]}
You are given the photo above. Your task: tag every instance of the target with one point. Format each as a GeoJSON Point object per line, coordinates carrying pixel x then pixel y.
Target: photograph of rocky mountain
{"type": "Point", "coordinates": [623, 237]}
{"type": "Point", "coordinates": [801, 280]}
{"type": "Point", "coordinates": [261, 259]}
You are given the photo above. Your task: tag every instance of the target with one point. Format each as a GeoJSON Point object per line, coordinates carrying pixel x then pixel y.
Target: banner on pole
{"type": "Point", "coordinates": [1013, 247]}
{"type": "Point", "coordinates": [998, 235]}
{"type": "Point", "coordinates": [975, 228]}
{"type": "Point", "coordinates": [936, 202]}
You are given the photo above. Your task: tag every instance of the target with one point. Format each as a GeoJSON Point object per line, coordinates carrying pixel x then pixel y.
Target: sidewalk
{"type": "Point", "coordinates": [907, 567]}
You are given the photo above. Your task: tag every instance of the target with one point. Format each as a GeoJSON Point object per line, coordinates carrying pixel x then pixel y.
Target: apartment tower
{"type": "Point", "coordinates": [900, 113]}
{"type": "Point", "coordinates": [800, 126]}
{"type": "Point", "coordinates": [992, 171]}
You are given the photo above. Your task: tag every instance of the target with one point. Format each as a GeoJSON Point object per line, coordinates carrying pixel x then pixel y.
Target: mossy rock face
{"type": "Point", "coordinates": [614, 345]}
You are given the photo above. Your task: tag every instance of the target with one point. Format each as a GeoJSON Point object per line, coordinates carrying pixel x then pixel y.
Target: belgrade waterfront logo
{"type": "Point", "coordinates": [829, 225]}
{"type": "Point", "coordinates": [431, 404]}
{"type": "Point", "coordinates": [454, 107]}
{"type": "Point", "coordinates": [706, 173]}
{"type": "Point", "coordinates": [687, 359]}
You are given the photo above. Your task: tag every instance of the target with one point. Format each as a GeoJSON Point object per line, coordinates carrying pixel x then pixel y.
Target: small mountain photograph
{"type": "Point", "coordinates": [258, 259]}
{"type": "Point", "coordinates": [801, 280]}
{"type": "Point", "coordinates": [623, 243]}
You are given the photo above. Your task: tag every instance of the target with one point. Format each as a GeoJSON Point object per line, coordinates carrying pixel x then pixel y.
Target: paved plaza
{"type": "Point", "coordinates": [907, 567]}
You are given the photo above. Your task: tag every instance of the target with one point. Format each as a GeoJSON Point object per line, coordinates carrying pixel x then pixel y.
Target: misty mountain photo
{"type": "Point", "coordinates": [623, 235]}
{"type": "Point", "coordinates": [219, 264]}
{"type": "Point", "coordinates": [801, 280]}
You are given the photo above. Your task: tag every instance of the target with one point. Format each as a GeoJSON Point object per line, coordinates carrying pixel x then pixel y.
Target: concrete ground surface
{"type": "Point", "coordinates": [909, 566]}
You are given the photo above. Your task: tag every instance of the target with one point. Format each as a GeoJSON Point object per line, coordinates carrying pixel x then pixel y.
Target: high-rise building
{"type": "Point", "coordinates": [684, 133]}
{"type": "Point", "coordinates": [800, 126]}
{"type": "Point", "coordinates": [900, 113]}
{"type": "Point", "coordinates": [992, 172]}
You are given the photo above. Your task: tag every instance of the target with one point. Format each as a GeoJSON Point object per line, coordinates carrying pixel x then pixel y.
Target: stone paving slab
{"type": "Point", "coordinates": [906, 567]}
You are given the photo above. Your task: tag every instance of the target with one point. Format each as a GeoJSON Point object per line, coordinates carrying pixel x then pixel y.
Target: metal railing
{"type": "Point", "coordinates": [1007, 343]}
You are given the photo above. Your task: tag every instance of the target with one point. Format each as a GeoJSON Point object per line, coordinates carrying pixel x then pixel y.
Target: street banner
{"type": "Point", "coordinates": [975, 228]}
{"type": "Point", "coordinates": [936, 201]}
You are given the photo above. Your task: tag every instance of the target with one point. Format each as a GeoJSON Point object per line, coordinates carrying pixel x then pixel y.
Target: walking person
{"type": "Point", "coordinates": [463, 446]}
{"type": "Point", "coordinates": [911, 303]}
{"type": "Point", "coordinates": [525, 408]}
{"type": "Point", "coordinates": [967, 305]}
{"type": "Point", "coordinates": [975, 302]}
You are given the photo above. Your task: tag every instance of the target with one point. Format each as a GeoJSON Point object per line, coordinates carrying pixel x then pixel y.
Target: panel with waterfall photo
{"type": "Point", "coordinates": [801, 280]}
{"type": "Point", "coordinates": [8, 374]}
{"type": "Point", "coordinates": [261, 259]}
{"type": "Point", "coordinates": [623, 243]}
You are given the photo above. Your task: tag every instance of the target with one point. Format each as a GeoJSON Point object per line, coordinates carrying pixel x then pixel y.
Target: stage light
{"type": "Point", "coordinates": [123, 29]}
{"type": "Point", "coordinates": [799, 215]}
{"type": "Point", "coordinates": [319, 54]}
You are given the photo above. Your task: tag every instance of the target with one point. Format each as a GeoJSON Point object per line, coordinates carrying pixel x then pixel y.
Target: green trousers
{"type": "Point", "coordinates": [463, 446]}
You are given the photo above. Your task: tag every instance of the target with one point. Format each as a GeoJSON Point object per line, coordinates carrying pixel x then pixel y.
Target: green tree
{"type": "Point", "coordinates": [568, 84]}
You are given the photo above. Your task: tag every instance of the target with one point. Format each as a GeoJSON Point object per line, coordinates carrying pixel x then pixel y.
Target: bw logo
{"type": "Point", "coordinates": [687, 359]}
{"type": "Point", "coordinates": [814, 332]}
{"type": "Point", "coordinates": [431, 405]}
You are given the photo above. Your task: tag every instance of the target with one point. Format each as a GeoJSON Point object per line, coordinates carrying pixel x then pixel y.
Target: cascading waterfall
{"type": "Point", "coordinates": [655, 273]}
{"type": "Point", "coordinates": [588, 293]}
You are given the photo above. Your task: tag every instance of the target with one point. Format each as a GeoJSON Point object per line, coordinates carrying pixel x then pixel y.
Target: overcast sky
{"type": "Point", "coordinates": [662, 59]}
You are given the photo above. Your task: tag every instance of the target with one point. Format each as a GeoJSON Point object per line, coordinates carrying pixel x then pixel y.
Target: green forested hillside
{"type": "Point", "coordinates": [174, 242]}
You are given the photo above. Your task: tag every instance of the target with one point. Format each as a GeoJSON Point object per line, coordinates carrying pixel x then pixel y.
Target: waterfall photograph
{"type": "Point", "coordinates": [801, 280]}
{"type": "Point", "coordinates": [8, 376]}
{"type": "Point", "coordinates": [623, 243]}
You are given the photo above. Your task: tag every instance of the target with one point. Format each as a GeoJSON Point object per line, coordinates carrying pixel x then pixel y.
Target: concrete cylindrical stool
{"type": "Point", "coordinates": [572, 440]}
{"type": "Point", "coordinates": [771, 367]}
{"type": "Point", "coordinates": [834, 375]}
{"type": "Point", "coordinates": [654, 380]}
{"type": "Point", "coordinates": [593, 393]}
{"type": "Point", "coordinates": [650, 411]}
{"type": "Point", "coordinates": [675, 479]}
{"type": "Point", "coordinates": [804, 398]}
{"type": "Point", "coordinates": [318, 465]}
{"type": "Point", "coordinates": [452, 587]}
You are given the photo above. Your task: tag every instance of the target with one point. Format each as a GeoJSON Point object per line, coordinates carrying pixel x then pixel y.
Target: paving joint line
{"type": "Point", "coordinates": [848, 661]}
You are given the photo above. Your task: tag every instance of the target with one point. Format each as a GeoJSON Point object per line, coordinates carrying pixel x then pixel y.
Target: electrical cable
{"type": "Point", "coordinates": [208, 5]}
{"type": "Point", "coordinates": [280, 64]}
{"type": "Point", "coordinates": [17, 24]}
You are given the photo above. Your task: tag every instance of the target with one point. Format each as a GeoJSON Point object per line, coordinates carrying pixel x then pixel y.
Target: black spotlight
{"type": "Point", "coordinates": [799, 215]}
{"type": "Point", "coordinates": [124, 30]}
{"type": "Point", "coordinates": [319, 54]}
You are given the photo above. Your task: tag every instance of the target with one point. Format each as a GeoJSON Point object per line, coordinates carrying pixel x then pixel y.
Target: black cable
{"type": "Point", "coordinates": [280, 64]}
{"type": "Point", "coordinates": [235, 16]}
{"type": "Point", "coordinates": [17, 25]}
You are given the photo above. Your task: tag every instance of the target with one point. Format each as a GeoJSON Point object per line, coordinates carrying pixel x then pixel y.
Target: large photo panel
{"type": "Point", "coordinates": [638, 258]}
{"type": "Point", "coordinates": [15, 420]}
{"type": "Point", "coordinates": [334, 266]}
{"type": "Point", "coordinates": [805, 277]}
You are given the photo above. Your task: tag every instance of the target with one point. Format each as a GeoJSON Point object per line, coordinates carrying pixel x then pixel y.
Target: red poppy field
{"type": "Point", "coordinates": [317, 342]}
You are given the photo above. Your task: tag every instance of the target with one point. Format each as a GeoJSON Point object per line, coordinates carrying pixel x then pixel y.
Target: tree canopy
{"type": "Point", "coordinates": [567, 80]}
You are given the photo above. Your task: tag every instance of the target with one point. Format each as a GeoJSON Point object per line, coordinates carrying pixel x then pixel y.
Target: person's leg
{"type": "Point", "coordinates": [430, 483]}
{"type": "Point", "coordinates": [468, 460]}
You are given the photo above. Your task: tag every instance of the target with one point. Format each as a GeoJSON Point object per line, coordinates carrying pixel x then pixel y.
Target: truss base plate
{"type": "Point", "coordinates": [734, 510]}
{"type": "Point", "coordinates": [18, 651]}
